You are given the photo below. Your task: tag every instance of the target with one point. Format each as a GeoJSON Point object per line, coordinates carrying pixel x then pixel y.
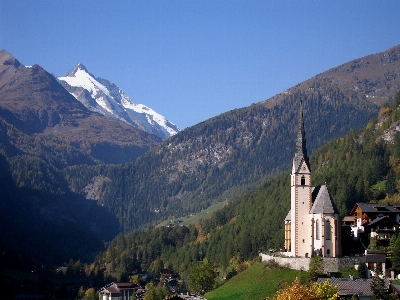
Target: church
{"type": "Point", "coordinates": [312, 225]}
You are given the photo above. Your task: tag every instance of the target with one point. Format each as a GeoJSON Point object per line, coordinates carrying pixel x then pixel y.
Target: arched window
{"type": "Point", "coordinates": [317, 229]}
{"type": "Point", "coordinates": [303, 180]}
{"type": "Point", "coordinates": [328, 230]}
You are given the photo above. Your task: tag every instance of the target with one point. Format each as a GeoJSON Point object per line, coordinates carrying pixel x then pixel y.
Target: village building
{"type": "Point", "coordinates": [312, 226]}
{"type": "Point", "coordinates": [375, 220]}
{"type": "Point", "coordinates": [121, 291]}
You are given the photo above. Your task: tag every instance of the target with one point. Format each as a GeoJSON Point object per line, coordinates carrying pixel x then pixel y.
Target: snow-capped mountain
{"type": "Point", "coordinates": [104, 97]}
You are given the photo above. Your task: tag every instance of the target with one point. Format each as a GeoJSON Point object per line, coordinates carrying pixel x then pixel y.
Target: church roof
{"type": "Point", "coordinates": [323, 203]}
{"type": "Point", "coordinates": [289, 216]}
{"type": "Point", "coordinates": [301, 149]}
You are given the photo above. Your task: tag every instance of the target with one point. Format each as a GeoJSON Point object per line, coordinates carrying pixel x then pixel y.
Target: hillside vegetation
{"type": "Point", "coordinates": [259, 281]}
{"type": "Point", "coordinates": [351, 166]}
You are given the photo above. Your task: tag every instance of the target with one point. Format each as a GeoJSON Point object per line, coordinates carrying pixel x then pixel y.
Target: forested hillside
{"type": "Point", "coordinates": [221, 158]}
{"type": "Point", "coordinates": [360, 167]}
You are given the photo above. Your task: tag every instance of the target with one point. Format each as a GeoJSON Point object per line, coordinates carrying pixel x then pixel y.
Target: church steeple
{"type": "Point", "coordinates": [301, 149]}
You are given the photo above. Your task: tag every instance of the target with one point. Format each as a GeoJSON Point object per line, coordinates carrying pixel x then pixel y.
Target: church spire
{"type": "Point", "coordinates": [301, 149]}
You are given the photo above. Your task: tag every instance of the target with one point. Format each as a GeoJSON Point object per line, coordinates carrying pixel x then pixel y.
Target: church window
{"type": "Point", "coordinates": [328, 251]}
{"type": "Point", "coordinates": [328, 230]}
{"type": "Point", "coordinates": [303, 180]}
{"type": "Point", "coordinates": [317, 229]}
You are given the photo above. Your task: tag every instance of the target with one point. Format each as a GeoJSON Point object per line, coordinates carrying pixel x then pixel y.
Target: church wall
{"type": "Point", "coordinates": [331, 264]}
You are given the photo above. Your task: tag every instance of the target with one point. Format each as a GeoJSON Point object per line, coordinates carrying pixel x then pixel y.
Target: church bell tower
{"type": "Point", "coordinates": [301, 195]}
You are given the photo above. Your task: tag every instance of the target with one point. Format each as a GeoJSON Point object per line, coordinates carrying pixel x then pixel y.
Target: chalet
{"type": "Point", "coordinates": [119, 291]}
{"type": "Point", "coordinates": [375, 220]}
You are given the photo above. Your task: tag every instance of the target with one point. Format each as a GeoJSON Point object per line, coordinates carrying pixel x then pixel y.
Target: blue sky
{"type": "Point", "coordinates": [192, 60]}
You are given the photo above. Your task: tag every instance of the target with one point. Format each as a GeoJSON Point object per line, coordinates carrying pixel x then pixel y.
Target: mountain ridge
{"type": "Point", "coordinates": [102, 96]}
{"type": "Point", "coordinates": [356, 75]}
{"type": "Point", "coordinates": [34, 103]}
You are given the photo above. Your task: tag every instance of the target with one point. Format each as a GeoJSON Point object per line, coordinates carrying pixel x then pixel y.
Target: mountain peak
{"type": "Point", "coordinates": [79, 66]}
{"type": "Point", "coordinates": [104, 97]}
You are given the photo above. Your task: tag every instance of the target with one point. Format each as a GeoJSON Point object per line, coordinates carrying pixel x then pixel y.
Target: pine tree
{"type": "Point", "coordinates": [378, 284]}
{"type": "Point", "coordinates": [362, 270]}
{"type": "Point", "coordinates": [395, 252]}
{"type": "Point", "coordinates": [390, 186]}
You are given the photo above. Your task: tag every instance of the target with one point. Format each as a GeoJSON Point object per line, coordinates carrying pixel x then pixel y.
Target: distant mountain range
{"type": "Point", "coordinates": [103, 96]}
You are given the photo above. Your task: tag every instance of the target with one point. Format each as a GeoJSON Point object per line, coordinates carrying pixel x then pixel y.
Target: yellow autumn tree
{"type": "Point", "coordinates": [325, 290]}
{"type": "Point", "coordinates": [315, 291]}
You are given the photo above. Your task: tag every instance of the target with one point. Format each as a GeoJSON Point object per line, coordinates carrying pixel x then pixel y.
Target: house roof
{"type": "Point", "coordinates": [323, 203]}
{"type": "Point", "coordinates": [376, 208]}
{"type": "Point", "coordinates": [374, 256]}
{"type": "Point", "coordinates": [111, 290]}
{"type": "Point", "coordinates": [378, 220]}
{"type": "Point", "coordinates": [357, 286]}
{"type": "Point", "coordinates": [117, 287]}
{"type": "Point", "coordinates": [348, 219]}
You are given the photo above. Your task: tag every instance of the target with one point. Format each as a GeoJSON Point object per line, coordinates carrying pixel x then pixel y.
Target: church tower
{"type": "Point", "coordinates": [301, 196]}
{"type": "Point", "coordinates": [312, 225]}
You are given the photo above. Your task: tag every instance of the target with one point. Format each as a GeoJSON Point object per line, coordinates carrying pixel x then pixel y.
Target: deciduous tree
{"type": "Point", "coordinates": [202, 276]}
{"type": "Point", "coordinates": [315, 291]}
{"type": "Point", "coordinates": [316, 268]}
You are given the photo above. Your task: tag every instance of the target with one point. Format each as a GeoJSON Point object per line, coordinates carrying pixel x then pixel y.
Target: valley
{"type": "Point", "coordinates": [92, 189]}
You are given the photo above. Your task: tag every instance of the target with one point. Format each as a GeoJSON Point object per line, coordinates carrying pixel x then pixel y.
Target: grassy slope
{"type": "Point", "coordinates": [256, 282]}
{"type": "Point", "coordinates": [204, 214]}
{"type": "Point", "coordinates": [260, 281]}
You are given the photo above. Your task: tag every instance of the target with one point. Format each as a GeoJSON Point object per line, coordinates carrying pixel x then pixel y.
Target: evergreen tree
{"type": "Point", "coordinates": [378, 284]}
{"type": "Point", "coordinates": [362, 270]}
{"type": "Point", "coordinates": [390, 186]}
{"type": "Point", "coordinates": [395, 252]}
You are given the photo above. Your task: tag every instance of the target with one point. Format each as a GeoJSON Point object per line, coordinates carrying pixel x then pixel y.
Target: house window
{"type": "Point", "coordinates": [303, 180]}
{"type": "Point", "coordinates": [317, 229]}
{"type": "Point", "coordinates": [328, 230]}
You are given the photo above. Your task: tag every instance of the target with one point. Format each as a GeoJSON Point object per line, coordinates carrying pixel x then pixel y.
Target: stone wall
{"type": "Point", "coordinates": [300, 263]}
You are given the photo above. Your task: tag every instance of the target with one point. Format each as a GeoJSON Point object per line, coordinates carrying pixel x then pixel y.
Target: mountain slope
{"type": "Point", "coordinates": [102, 96]}
{"type": "Point", "coordinates": [358, 167]}
{"type": "Point", "coordinates": [42, 130]}
{"type": "Point", "coordinates": [39, 117]}
{"type": "Point", "coordinates": [222, 157]}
